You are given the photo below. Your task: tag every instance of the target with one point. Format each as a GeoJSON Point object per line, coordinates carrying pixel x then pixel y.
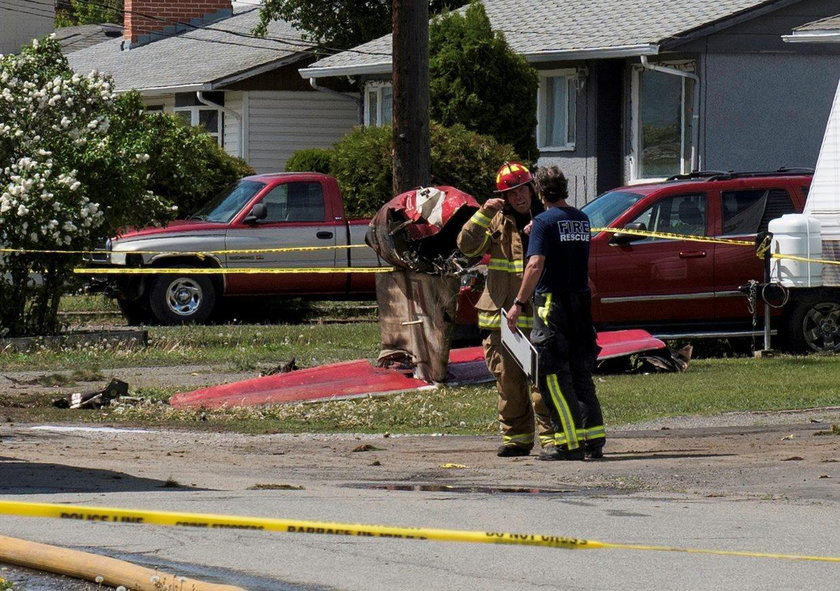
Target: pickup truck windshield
{"type": "Point", "coordinates": [228, 203]}
{"type": "Point", "coordinates": [603, 210]}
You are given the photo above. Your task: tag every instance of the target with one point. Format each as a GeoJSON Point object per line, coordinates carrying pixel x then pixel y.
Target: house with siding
{"type": "Point", "coordinates": [21, 21]}
{"type": "Point", "coordinates": [634, 90]}
{"type": "Point", "coordinates": [201, 62]}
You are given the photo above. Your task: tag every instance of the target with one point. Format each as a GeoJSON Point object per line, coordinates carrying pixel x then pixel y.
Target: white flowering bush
{"type": "Point", "coordinates": [77, 164]}
{"type": "Point", "coordinates": [73, 169]}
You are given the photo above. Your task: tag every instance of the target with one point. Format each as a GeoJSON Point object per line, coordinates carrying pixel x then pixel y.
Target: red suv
{"type": "Point", "coordinates": [685, 289]}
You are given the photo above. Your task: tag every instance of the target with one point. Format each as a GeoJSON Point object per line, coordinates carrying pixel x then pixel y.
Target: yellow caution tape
{"type": "Point", "coordinates": [761, 249]}
{"type": "Point", "coordinates": [792, 257]}
{"type": "Point", "coordinates": [202, 520]}
{"type": "Point", "coordinates": [671, 236]}
{"type": "Point", "coordinates": [185, 252]}
{"type": "Point", "coordinates": [220, 271]}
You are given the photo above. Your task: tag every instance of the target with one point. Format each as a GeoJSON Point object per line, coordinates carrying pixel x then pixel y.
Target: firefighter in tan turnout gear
{"type": "Point", "coordinates": [501, 228]}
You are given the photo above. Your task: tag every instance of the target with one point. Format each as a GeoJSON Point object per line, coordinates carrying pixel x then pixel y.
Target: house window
{"type": "Point", "coordinates": [662, 134]}
{"type": "Point", "coordinates": [197, 114]}
{"type": "Point", "coordinates": [556, 109]}
{"type": "Point", "coordinates": [379, 102]}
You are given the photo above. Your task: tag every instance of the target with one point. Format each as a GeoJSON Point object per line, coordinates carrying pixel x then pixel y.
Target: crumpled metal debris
{"type": "Point", "coordinates": [85, 400]}
{"type": "Point", "coordinates": [416, 230]}
{"type": "Point", "coordinates": [665, 360]}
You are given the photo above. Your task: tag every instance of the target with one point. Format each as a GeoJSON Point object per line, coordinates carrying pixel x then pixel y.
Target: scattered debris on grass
{"type": "Point", "coordinates": [282, 368]}
{"type": "Point", "coordinates": [97, 399]}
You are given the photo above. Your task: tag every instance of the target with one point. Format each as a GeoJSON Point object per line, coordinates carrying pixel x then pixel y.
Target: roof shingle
{"type": "Point", "coordinates": [535, 27]}
{"type": "Point", "coordinates": [194, 58]}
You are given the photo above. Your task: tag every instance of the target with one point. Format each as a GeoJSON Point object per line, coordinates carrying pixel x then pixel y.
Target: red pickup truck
{"type": "Point", "coordinates": [688, 289]}
{"type": "Point", "coordinates": [267, 211]}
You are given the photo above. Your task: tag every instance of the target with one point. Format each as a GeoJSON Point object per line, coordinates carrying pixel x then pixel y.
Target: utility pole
{"type": "Point", "coordinates": [410, 78]}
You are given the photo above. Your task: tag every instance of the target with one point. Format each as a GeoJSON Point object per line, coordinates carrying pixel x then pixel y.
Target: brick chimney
{"type": "Point", "coordinates": [148, 20]}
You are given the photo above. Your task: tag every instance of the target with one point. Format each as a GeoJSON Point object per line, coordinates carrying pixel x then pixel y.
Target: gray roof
{"type": "Point", "coordinates": [82, 36]}
{"type": "Point", "coordinates": [545, 30]}
{"type": "Point", "coordinates": [203, 58]}
{"type": "Point", "coordinates": [826, 24]}
{"type": "Point", "coordinates": [826, 30]}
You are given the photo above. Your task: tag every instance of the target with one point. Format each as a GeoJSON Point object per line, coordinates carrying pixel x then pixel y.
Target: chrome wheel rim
{"type": "Point", "coordinates": [184, 296]}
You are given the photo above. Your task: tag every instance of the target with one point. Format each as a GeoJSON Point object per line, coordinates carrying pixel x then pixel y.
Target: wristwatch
{"type": "Point", "coordinates": [519, 303]}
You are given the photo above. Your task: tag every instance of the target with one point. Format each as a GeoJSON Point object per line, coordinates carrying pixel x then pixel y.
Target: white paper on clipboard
{"type": "Point", "coordinates": [520, 348]}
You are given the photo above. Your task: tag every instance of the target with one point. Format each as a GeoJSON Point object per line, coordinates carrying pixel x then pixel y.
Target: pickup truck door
{"type": "Point", "coordinates": [296, 217]}
{"type": "Point", "coordinates": [652, 281]}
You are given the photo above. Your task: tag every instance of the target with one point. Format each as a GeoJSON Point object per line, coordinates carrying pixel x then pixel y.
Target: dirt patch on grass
{"type": "Point", "coordinates": [181, 377]}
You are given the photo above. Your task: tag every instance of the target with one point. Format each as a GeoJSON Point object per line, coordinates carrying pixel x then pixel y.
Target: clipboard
{"type": "Point", "coordinates": [520, 349]}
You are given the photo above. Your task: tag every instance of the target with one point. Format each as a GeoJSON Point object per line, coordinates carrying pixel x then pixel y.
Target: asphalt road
{"type": "Point", "coordinates": [687, 498]}
{"type": "Point", "coordinates": [263, 561]}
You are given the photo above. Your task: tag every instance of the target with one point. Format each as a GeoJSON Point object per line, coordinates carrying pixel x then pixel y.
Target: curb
{"type": "Point", "coordinates": [124, 338]}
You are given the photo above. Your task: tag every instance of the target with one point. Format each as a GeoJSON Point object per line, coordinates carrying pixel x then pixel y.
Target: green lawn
{"type": "Point", "coordinates": [709, 386]}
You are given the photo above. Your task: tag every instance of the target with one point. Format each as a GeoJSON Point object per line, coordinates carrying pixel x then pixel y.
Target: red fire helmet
{"type": "Point", "coordinates": [512, 175]}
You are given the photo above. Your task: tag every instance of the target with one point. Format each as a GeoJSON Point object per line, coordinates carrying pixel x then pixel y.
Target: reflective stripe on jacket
{"type": "Point", "coordinates": [496, 234]}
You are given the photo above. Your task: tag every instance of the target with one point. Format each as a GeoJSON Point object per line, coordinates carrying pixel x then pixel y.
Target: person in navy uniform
{"type": "Point", "coordinates": [557, 276]}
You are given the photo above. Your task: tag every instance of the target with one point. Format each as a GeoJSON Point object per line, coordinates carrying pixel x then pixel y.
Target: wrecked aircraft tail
{"type": "Point", "coordinates": [415, 232]}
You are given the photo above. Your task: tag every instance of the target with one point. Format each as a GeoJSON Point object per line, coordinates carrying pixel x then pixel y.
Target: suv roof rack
{"type": "Point", "coordinates": [697, 174]}
{"type": "Point", "coordinates": [717, 175]}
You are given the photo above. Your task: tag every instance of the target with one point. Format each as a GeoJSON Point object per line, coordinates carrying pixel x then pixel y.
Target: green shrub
{"type": "Point", "coordinates": [189, 167]}
{"type": "Point", "coordinates": [310, 160]}
{"type": "Point", "coordinates": [466, 159]}
{"type": "Point", "coordinates": [460, 158]}
{"type": "Point", "coordinates": [362, 165]}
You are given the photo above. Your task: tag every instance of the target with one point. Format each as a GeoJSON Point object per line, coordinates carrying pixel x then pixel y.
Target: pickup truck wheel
{"type": "Point", "coordinates": [134, 312]}
{"type": "Point", "coordinates": [180, 299]}
{"type": "Point", "coordinates": [814, 323]}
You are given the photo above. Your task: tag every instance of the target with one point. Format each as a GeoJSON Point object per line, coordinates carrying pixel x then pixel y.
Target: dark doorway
{"type": "Point", "coordinates": [609, 80]}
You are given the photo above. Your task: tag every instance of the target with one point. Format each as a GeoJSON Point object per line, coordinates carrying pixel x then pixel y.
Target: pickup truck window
{"type": "Point", "coordinates": [749, 211]}
{"type": "Point", "coordinates": [604, 209]}
{"type": "Point", "coordinates": [295, 202]}
{"type": "Point", "coordinates": [678, 214]}
{"type": "Point", "coordinates": [227, 204]}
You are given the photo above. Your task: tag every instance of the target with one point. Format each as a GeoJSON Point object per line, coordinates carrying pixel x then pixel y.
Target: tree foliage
{"type": "Point", "coordinates": [461, 158]}
{"type": "Point", "coordinates": [339, 24]}
{"type": "Point", "coordinates": [85, 12]}
{"type": "Point", "coordinates": [77, 164]}
{"type": "Point", "coordinates": [477, 80]}
{"type": "Point", "coordinates": [189, 167]}
{"type": "Point", "coordinates": [310, 160]}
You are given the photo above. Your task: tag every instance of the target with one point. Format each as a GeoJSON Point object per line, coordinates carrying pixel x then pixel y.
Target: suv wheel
{"type": "Point", "coordinates": [814, 322]}
{"type": "Point", "coordinates": [180, 299]}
